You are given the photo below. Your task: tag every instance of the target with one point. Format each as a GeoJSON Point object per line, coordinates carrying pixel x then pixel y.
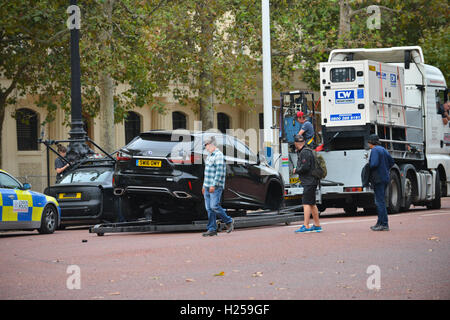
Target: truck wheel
{"type": "Point", "coordinates": [436, 203]}
{"type": "Point", "coordinates": [409, 192]}
{"type": "Point", "coordinates": [394, 194]}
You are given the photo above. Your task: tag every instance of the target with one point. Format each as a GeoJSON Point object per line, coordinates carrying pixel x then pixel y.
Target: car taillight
{"type": "Point", "coordinates": [122, 156]}
{"type": "Point", "coordinates": [194, 158]}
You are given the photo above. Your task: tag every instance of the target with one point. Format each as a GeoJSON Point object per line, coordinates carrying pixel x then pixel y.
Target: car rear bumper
{"type": "Point", "coordinates": [182, 187]}
{"type": "Point", "coordinates": [179, 194]}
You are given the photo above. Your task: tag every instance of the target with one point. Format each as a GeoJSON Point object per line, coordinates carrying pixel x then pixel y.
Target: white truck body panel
{"type": "Point", "coordinates": [350, 103]}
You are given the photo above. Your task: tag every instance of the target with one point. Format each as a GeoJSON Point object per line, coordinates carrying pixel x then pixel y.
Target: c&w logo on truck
{"type": "Point", "coordinates": [344, 96]}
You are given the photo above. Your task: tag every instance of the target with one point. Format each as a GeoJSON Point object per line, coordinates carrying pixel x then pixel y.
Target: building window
{"type": "Point", "coordinates": [178, 120]}
{"type": "Point", "coordinates": [27, 129]}
{"type": "Point", "coordinates": [132, 126]}
{"type": "Point", "coordinates": [223, 122]}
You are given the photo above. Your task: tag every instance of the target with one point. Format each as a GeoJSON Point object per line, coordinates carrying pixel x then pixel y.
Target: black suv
{"type": "Point", "coordinates": [160, 173]}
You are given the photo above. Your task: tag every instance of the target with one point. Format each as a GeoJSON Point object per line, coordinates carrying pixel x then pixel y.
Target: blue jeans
{"type": "Point", "coordinates": [380, 202]}
{"type": "Point", "coordinates": [212, 204]}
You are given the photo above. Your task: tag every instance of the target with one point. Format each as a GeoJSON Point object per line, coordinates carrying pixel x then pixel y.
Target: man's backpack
{"type": "Point", "coordinates": [320, 167]}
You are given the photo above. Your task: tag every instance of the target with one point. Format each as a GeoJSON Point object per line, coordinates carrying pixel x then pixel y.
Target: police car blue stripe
{"type": "Point", "coordinates": [7, 201]}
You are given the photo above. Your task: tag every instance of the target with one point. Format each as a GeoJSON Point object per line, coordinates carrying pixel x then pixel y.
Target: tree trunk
{"type": "Point", "coordinates": [106, 85]}
{"type": "Point", "coordinates": [3, 101]}
{"type": "Point", "coordinates": [2, 118]}
{"type": "Point", "coordinates": [205, 80]}
{"type": "Point", "coordinates": [344, 19]}
{"type": "Point", "coordinates": [107, 132]}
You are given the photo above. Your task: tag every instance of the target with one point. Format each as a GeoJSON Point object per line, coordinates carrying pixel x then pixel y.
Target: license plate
{"type": "Point", "coordinates": [76, 195]}
{"type": "Point", "coordinates": [148, 163]}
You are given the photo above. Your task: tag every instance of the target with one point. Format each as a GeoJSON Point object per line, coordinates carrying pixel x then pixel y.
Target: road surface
{"type": "Point", "coordinates": [346, 261]}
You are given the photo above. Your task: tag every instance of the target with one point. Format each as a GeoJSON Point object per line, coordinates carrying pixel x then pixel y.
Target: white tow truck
{"type": "Point", "coordinates": [390, 92]}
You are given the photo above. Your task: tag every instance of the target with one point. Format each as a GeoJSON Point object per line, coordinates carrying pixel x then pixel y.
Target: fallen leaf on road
{"type": "Point", "coordinates": [190, 280]}
{"type": "Point", "coordinates": [257, 274]}
{"type": "Point", "coordinates": [220, 274]}
{"type": "Point", "coordinates": [340, 261]}
{"type": "Point", "coordinates": [434, 238]}
{"type": "Point", "coordinates": [114, 293]}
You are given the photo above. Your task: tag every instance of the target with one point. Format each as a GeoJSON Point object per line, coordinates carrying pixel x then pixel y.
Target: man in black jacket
{"type": "Point", "coordinates": [305, 165]}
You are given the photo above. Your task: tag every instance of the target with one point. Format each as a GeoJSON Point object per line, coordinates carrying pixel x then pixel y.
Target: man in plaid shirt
{"type": "Point", "coordinates": [213, 185]}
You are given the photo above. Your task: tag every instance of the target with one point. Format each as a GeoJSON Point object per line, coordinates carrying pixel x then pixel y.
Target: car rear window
{"type": "Point", "coordinates": [161, 145]}
{"type": "Point", "coordinates": [88, 175]}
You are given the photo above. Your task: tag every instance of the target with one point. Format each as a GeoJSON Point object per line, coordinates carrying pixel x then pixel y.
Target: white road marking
{"type": "Point", "coordinates": [435, 214]}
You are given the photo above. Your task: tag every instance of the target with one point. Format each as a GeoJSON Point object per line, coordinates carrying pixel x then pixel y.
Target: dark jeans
{"type": "Point", "coordinates": [212, 204]}
{"type": "Point", "coordinates": [380, 202]}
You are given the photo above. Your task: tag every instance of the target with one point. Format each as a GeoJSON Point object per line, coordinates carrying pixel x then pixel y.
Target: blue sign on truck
{"type": "Point", "coordinates": [344, 96]}
{"type": "Point", "coordinates": [345, 117]}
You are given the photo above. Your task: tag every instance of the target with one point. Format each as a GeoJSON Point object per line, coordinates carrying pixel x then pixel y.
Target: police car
{"type": "Point", "coordinates": [23, 209]}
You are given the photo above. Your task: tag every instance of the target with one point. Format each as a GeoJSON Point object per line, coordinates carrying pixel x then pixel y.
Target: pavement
{"type": "Point", "coordinates": [346, 261]}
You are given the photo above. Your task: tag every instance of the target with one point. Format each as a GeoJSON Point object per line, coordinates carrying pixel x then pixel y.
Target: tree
{"type": "Point", "coordinates": [323, 25]}
{"type": "Point", "coordinates": [206, 53]}
{"type": "Point", "coordinates": [115, 48]}
{"type": "Point", "coordinates": [23, 24]}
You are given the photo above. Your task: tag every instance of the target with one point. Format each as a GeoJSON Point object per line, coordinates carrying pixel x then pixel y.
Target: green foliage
{"type": "Point", "coordinates": [194, 49]}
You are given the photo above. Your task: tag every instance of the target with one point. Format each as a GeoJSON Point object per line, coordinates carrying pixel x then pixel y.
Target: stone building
{"type": "Point", "coordinates": [25, 158]}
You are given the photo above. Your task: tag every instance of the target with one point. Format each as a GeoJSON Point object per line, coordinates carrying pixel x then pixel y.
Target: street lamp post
{"type": "Point", "coordinates": [78, 148]}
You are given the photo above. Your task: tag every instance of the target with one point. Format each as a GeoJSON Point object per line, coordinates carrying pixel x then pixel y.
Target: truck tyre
{"type": "Point", "coordinates": [394, 194]}
{"type": "Point", "coordinates": [409, 188]}
{"type": "Point", "coordinates": [436, 203]}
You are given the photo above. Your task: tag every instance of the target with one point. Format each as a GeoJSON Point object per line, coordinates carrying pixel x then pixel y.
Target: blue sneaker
{"type": "Point", "coordinates": [316, 229]}
{"type": "Point", "coordinates": [303, 229]}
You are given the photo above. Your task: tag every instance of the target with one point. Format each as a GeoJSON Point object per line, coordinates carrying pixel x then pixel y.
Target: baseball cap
{"type": "Point", "coordinates": [373, 139]}
{"type": "Point", "coordinates": [299, 138]}
{"type": "Point", "coordinates": [210, 140]}
{"type": "Point", "coordinates": [300, 114]}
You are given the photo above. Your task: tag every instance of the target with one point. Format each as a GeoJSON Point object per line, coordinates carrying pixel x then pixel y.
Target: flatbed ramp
{"type": "Point", "coordinates": [254, 219]}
